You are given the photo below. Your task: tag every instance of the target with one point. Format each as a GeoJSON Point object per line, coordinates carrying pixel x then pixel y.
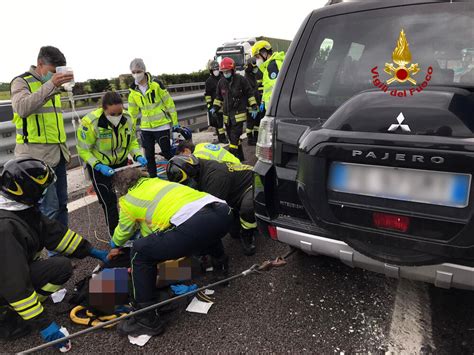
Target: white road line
{"type": "Point", "coordinates": [82, 202]}
{"type": "Point", "coordinates": [410, 328]}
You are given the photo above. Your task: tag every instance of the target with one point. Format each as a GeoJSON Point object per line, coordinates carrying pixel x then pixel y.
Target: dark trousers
{"type": "Point", "coordinates": [201, 234]}
{"type": "Point", "coordinates": [106, 195]}
{"type": "Point", "coordinates": [247, 211]}
{"type": "Point", "coordinates": [234, 131]}
{"type": "Point", "coordinates": [48, 275]}
{"type": "Point", "coordinates": [253, 124]}
{"type": "Point", "coordinates": [149, 138]}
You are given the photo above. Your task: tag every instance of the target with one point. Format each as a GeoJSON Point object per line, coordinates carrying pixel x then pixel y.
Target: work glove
{"type": "Point", "coordinates": [99, 254]}
{"type": "Point", "coordinates": [212, 111]}
{"type": "Point", "coordinates": [254, 114]}
{"type": "Point", "coordinates": [176, 126]}
{"type": "Point", "coordinates": [182, 289]}
{"type": "Point", "coordinates": [104, 169]}
{"type": "Point", "coordinates": [113, 245]}
{"type": "Point", "coordinates": [142, 161]}
{"type": "Point", "coordinates": [53, 332]}
{"type": "Point", "coordinates": [262, 107]}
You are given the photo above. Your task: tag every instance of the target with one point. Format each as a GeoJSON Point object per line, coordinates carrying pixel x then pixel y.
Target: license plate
{"type": "Point", "coordinates": [423, 186]}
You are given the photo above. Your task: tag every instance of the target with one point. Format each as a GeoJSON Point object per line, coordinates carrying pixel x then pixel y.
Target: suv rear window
{"type": "Point", "coordinates": [342, 51]}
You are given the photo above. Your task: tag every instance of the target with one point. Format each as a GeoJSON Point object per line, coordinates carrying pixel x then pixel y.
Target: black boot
{"type": "Point", "coordinates": [255, 136]}
{"type": "Point", "coordinates": [251, 139]}
{"type": "Point", "coordinates": [222, 139]}
{"type": "Point", "coordinates": [247, 240]}
{"type": "Point", "coordinates": [148, 323]}
{"type": "Point", "coordinates": [12, 326]}
{"type": "Point", "coordinates": [220, 268]}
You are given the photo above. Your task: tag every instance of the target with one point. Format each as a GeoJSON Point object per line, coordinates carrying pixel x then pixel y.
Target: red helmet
{"type": "Point", "coordinates": [227, 64]}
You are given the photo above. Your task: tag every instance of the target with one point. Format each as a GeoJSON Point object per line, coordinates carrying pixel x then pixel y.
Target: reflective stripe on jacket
{"type": "Point", "coordinates": [210, 151]}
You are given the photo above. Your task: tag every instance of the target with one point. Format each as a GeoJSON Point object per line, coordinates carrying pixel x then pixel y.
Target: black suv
{"type": "Point", "coordinates": [367, 150]}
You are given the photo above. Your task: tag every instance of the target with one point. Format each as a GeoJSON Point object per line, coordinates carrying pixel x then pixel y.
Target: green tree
{"type": "Point", "coordinates": [116, 83]}
{"type": "Point", "coordinates": [99, 85]}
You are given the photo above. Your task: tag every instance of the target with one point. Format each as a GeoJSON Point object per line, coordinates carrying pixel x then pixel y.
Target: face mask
{"type": "Point", "coordinates": [138, 77]}
{"type": "Point", "coordinates": [259, 62]}
{"type": "Point", "coordinates": [227, 75]}
{"type": "Point", "coordinates": [47, 77]}
{"type": "Point", "coordinates": [255, 70]}
{"type": "Point", "coordinates": [115, 120]}
{"type": "Point", "coordinates": [215, 72]}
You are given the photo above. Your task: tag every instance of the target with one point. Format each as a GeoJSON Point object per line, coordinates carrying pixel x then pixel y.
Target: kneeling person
{"type": "Point", "coordinates": [230, 182]}
{"type": "Point", "coordinates": [175, 221]}
{"type": "Point", "coordinates": [26, 280]}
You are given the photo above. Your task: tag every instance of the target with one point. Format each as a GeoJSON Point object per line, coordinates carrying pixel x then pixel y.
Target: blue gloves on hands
{"type": "Point", "coordinates": [142, 161]}
{"type": "Point", "coordinates": [254, 114]}
{"type": "Point", "coordinates": [113, 245]}
{"type": "Point", "coordinates": [212, 111]}
{"type": "Point", "coordinates": [99, 254]}
{"type": "Point", "coordinates": [262, 107]}
{"type": "Point", "coordinates": [176, 126]}
{"type": "Point", "coordinates": [51, 333]}
{"type": "Point", "coordinates": [182, 289]}
{"type": "Point", "coordinates": [104, 169]}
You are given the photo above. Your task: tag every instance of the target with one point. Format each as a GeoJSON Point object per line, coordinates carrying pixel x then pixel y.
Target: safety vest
{"type": "Point", "coordinates": [210, 151]}
{"type": "Point", "coordinates": [151, 203]}
{"type": "Point", "coordinates": [46, 124]}
{"type": "Point", "coordinates": [156, 106]}
{"type": "Point", "coordinates": [270, 75]}
{"type": "Point", "coordinates": [100, 142]}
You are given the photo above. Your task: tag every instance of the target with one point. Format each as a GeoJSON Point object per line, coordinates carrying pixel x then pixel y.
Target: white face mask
{"type": "Point", "coordinates": [138, 77]}
{"type": "Point", "coordinates": [259, 62]}
{"type": "Point", "coordinates": [255, 70]}
{"type": "Point", "coordinates": [115, 120]}
{"type": "Point", "coordinates": [215, 72]}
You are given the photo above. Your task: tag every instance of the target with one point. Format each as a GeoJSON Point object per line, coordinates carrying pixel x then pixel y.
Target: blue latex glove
{"type": "Point", "coordinates": [254, 114]}
{"type": "Point", "coordinates": [262, 107]}
{"type": "Point", "coordinates": [99, 254]}
{"type": "Point", "coordinates": [51, 333]}
{"type": "Point", "coordinates": [182, 289]}
{"type": "Point", "coordinates": [104, 169]}
{"type": "Point", "coordinates": [113, 245]}
{"type": "Point", "coordinates": [176, 126]}
{"type": "Point", "coordinates": [212, 111]}
{"type": "Point", "coordinates": [142, 161]}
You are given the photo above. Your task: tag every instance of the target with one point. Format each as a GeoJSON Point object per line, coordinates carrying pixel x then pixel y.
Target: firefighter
{"type": "Point", "coordinates": [26, 280]}
{"type": "Point", "coordinates": [175, 221]}
{"type": "Point", "coordinates": [233, 95]}
{"type": "Point", "coordinates": [269, 63]}
{"type": "Point", "coordinates": [227, 181]}
{"type": "Point", "coordinates": [207, 151]}
{"type": "Point", "coordinates": [105, 138]}
{"type": "Point", "coordinates": [254, 77]}
{"type": "Point", "coordinates": [37, 115]}
{"type": "Point", "coordinates": [216, 119]}
{"type": "Point", "coordinates": [158, 113]}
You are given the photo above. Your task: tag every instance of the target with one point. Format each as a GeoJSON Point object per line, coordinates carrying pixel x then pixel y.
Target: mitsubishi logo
{"type": "Point", "coordinates": [404, 127]}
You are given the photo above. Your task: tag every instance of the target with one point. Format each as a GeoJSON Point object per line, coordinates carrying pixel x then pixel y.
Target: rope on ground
{"type": "Point", "coordinates": [256, 268]}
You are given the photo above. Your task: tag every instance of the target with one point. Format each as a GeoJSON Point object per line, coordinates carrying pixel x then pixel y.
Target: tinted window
{"type": "Point", "coordinates": [342, 52]}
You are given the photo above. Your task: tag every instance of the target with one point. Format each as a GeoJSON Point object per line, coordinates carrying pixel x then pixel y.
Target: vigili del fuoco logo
{"type": "Point", "coordinates": [400, 72]}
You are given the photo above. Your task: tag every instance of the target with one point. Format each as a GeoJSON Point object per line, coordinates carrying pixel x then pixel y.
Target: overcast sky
{"type": "Point", "coordinates": [100, 37]}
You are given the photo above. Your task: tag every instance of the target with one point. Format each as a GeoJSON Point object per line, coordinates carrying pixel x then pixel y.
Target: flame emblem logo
{"type": "Point", "coordinates": [402, 57]}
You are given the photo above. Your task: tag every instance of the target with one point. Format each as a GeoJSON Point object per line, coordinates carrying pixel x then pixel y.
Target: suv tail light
{"type": "Point", "coordinates": [264, 150]}
{"type": "Point", "coordinates": [390, 221]}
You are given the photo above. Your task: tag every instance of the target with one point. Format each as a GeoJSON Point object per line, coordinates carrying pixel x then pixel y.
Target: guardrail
{"type": "Point", "coordinates": [191, 112]}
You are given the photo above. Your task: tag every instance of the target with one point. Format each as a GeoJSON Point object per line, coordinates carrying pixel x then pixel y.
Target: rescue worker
{"type": "Point", "coordinates": [26, 280]}
{"type": "Point", "coordinates": [39, 124]}
{"type": "Point", "coordinates": [269, 64]}
{"type": "Point", "coordinates": [105, 138]}
{"type": "Point", "coordinates": [227, 181]}
{"type": "Point", "coordinates": [233, 95]}
{"type": "Point", "coordinates": [207, 151]}
{"type": "Point", "coordinates": [216, 119]}
{"type": "Point", "coordinates": [254, 77]}
{"type": "Point", "coordinates": [176, 221]}
{"type": "Point", "coordinates": [158, 113]}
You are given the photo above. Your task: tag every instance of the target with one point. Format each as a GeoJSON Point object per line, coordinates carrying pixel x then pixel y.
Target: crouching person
{"type": "Point", "coordinates": [175, 221]}
{"type": "Point", "coordinates": [26, 280]}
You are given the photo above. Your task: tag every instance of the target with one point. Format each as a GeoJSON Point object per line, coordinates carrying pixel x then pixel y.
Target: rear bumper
{"type": "Point", "coordinates": [442, 275]}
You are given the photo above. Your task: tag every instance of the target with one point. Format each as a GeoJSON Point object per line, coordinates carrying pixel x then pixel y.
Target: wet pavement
{"type": "Point", "coordinates": [313, 304]}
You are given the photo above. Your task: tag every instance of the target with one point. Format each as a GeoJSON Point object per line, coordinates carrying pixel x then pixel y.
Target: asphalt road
{"type": "Point", "coordinates": [313, 304]}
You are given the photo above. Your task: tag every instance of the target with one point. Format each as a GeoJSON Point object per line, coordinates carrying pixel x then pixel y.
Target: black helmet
{"type": "Point", "coordinates": [213, 65]}
{"type": "Point", "coordinates": [251, 63]}
{"type": "Point", "coordinates": [181, 168]}
{"type": "Point", "coordinates": [25, 180]}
